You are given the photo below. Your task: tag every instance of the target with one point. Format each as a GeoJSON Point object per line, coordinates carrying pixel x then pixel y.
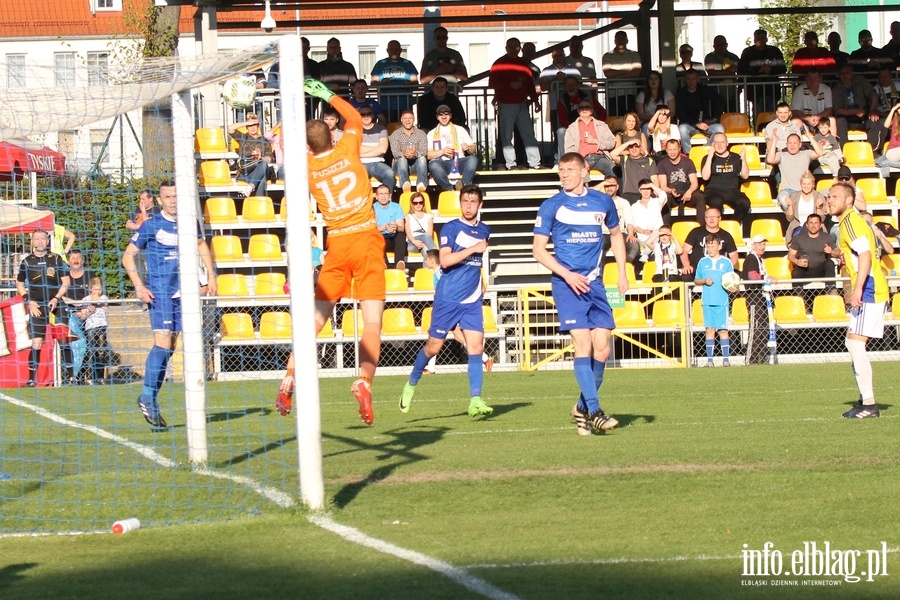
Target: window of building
{"type": "Point", "coordinates": [99, 153]}
{"type": "Point", "coordinates": [98, 68]}
{"type": "Point", "coordinates": [478, 58]}
{"type": "Point", "coordinates": [318, 54]}
{"type": "Point", "coordinates": [15, 71]}
{"type": "Point", "coordinates": [366, 62]}
{"type": "Point", "coordinates": [64, 70]}
{"type": "Point", "coordinates": [66, 143]}
{"type": "Point", "coordinates": [107, 5]}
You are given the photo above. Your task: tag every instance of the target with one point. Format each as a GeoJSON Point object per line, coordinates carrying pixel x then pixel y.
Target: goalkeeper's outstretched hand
{"type": "Point", "coordinates": [314, 87]}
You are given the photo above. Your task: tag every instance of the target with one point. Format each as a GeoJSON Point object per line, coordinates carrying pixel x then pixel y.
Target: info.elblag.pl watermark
{"type": "Point", "coordinates": [813, 564]}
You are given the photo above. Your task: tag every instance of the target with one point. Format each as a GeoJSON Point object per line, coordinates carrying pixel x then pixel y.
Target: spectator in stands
{"type": "Point", "coordinates": [336, 72]}
{"type": "Point", "coordinates": [661, 130]}
{"type": "Point", "coordinates": [635, 167]}
{"type": "Point", "coordinates": [442, 61]}
{"type": "Point", "coordinates": [79, 288]}
{"type": "Point", "coordinates": [648, 100]}
{"type": "Point", "coordinates": [868, 59]}
{"type": "Point", "coordinates": [854, 105]}
{"type": "Point", "coordinates": [647, 213]}
{"type": "Point", "coordinates": [567, 109]}
{"type": "Point", "coordinates": [686, 61]}
{"type": "Point", "coordinates": [678, 179]}
{"type": "Point", "coordinates": [784, 125]}
{"type": "Point", "coordinates": [394, 77]}
{"type": "Point", "coordinates": [419, 226]}
{"type": "Point", "coordinates": [812, 56]}
{"type": "Point", "coordinates": [887, 94]}
{"type": "Point", "coordinates": [458, 299]}
{"type": "Point", "coordinates": [513, 84]}
{"type": "Point", "coordinates": [698, 110]}
{"type": "Point", "coordinates": [812, 100]}
{"type": "Point", "coordinates": [801, 204]}
{"type": "Point", "coordinates": [354, 242]}
{"type": "Point", "coordinates": [391, 224]}
{"type": "Point", "coordinates": [714, 299]}
{"type": "Point", "coordinates": [158, 238]}
{"type": "Point", "coordinates": [256, 153]}
{"type": "Point", "coordinates": [832, 155]}
{"type": "Point", "coordinates": [845, 175]}
{"type": "Point", "coordinates": [665, 249]}
{"type": "Point", "coordinates": [763, 62]}
{"type": "Point", "coordinates": [868, 297]}
{"type": "Point", "coordinates": [794, 162]}
{"type": "Point", "coordinates": [591, 138]}
{"type": "Point", "coordinates": [610, 186]}
{"type": "Point", "coordinates": [409, 145]}
{"type": "Point", "coordinates": [439, 94]}
{"type": "Point", "coordinates": [755, 270]}
{"type": "Point", "coordinates": [883, 245]}
{"type": "Point", "coordinates": [42, 280]}
{"type": "Point", "coordinates": [96, 324]}
{"type": "Point", "coordinates": [693, 248]}
{"type": "Point", "coordinates": [631, 130]}
{"type": "Point", "coordinates": [834, 46]}
{"type": "Point", "coordinates": [577, 60]}
{"type": "Point", "coordinates": [62, 241]}
{"type": "Point", "coordinates": [572, 219]}
{"type": "Point", "coordinates": [359, 98]}
{"type": "Point", "coordinates": [452, 154]}
{"type": "Point", "coordinates": [812, 249]}
{"type": "Point", "coordinates": [891, 157]}
{"type": "Point", "coordinates": [374, 147]}
{"type": "Point", "coordinates": [620, 63]}
{"type": "Point", "coordinates": [332, 119]}
{"type": "Point", "coordinates": [553, 81]}
{"type": "Point", "coordinates": [722, 63]}
{"type": "Point", "coordinates": [892, 48]}
{"type": "Point", "coordinates": [529, 52]}
{"type": "Point", "coordinates": [723, 171]}
{"type": "Point", "coordinates": [146, 209]}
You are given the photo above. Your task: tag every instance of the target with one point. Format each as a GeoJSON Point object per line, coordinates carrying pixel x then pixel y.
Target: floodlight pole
{"type": "Point", "coordinates": [296, 188]}
{"type": "Point", "coordinates": [188, 268]}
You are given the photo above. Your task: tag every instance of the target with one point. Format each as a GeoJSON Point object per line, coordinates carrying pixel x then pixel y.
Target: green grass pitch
{"type": "Point", "coordinates": [704, 462]}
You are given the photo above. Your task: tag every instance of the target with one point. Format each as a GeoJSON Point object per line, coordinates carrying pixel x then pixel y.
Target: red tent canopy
{"type": "Point", "coordinates": [16, 219]}
{"type": "Point", "coordinates": [19, 156]}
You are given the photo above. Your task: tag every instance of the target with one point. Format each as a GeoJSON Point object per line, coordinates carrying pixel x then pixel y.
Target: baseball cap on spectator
{"type": "Point", "coordinates": [443, 108]}
{"type": "Point", "coordinates": [759, 238]}
{"type": "Point", "coordinates": [844, 172]}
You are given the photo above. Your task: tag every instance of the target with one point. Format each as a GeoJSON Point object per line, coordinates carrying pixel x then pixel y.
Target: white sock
{"type": "Point", "coordinates": [432, 364]}
{"type": "Point", "coordinates": [862, 369]}
{"type": "Point", "coordinates": [485, 357]}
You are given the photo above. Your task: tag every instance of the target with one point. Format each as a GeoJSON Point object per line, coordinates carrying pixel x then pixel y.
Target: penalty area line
{"type": "Point", "coordinates": [456, 574]}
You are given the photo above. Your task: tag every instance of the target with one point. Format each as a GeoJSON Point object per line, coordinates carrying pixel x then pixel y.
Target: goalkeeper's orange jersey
{"type": "Point", "coordinates": [338, 181]}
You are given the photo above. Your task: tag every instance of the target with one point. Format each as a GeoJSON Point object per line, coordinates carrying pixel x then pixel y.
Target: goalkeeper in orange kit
{"type": "Point", "coordinates": [340, 186]}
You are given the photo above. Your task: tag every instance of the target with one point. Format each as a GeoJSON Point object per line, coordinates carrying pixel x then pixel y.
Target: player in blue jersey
{"type": "Point", "coordinates": [457, 298]}
{"type": "Point", "coordinates": [158, 239]}
{"type": "Point", "coordinates": [574, 219]}
{"type": "Point", "coordinates": [715, 299]}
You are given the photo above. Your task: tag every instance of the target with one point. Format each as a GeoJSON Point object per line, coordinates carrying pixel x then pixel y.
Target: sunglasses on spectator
{"type": "Point", "coordinates": [844, 178]}
{"type": "Point", "coordinates": [419, 203]}
{"type": "Point", "coordinates": [366, 114]}
{"type": "Point", "coordinates": [443, 112]}
{"type": "Point", "coordinates": [585, 107]}
{"type": "Point", "coordinates": [646, 189]}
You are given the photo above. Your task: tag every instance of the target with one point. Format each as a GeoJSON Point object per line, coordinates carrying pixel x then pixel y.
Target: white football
{"type": "Point", "coordinates": [731, 280]}
{"type": "Point", "coordinates": [239, 92]}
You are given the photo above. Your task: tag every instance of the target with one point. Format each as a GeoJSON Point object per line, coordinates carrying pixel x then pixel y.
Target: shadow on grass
{"type": "Point", "coordinates": [228, 415]}
{"type": "Point", "coordinates": [400, 448]}
{"type": "Point", "coordinates": [236, 460]}
{"type": "Point", "coordinates": [499, 409]}
{"type": "Point", "coordinates": [626, 419]}
{"type": "Point", "coordinates": [11, 574]}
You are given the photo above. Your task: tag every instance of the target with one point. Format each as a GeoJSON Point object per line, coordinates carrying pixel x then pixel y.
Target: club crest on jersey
{"type": "Point", "coordinates": [51, 271]}
{"type": "Point", "coordinates": [598, 217]}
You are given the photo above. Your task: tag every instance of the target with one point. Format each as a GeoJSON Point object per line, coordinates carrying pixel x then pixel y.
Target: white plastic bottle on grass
{"type": "Point", "coordinates": [126, 525]}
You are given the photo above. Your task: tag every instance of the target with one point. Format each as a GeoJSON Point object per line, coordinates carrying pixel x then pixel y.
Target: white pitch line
{"type": "Point", "coordinates": [456, 574]}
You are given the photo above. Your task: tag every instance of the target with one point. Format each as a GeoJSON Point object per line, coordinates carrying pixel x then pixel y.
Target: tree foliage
{"type": "Point", "coordinates": [786, 31]}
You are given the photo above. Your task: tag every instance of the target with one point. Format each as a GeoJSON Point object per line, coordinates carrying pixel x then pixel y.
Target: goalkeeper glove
{"type": "Point", "coordinates": [316, 88]}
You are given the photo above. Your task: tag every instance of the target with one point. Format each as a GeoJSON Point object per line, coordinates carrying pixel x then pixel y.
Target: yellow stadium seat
{"type": "Point", "coordinates": [895, 306]}
{"type": "Point", "coordinates": [423, 279]}
{"type": "Point", "coordinates": [769, 229]}
{"type": "Point", "coordinates": [778, 267]}
{"type": "Point", "coordinates": [232, 284]}
{"type": "Point", "coordinates": [611, 273]}
{"type": "Point", "coordinates": [890, 262]}
{"type": "Point", "coordinates": [398, 321]}
{"type": "Point", "coordinates": [858, 154]}
{"type": "Point", "coordinates": [426, 319]}
{"type": "Point", "coordinates": [759, 193]}
{"type": "Point", "coordinates": [631, 315]}
{"type": "Point", "coordinates": [616, 124]}
{"type": "Point", "coordinates": [829, 308]}
{"type": "Point", "coordinates": [734, 228]}
{"type": "Point", "coordinates": [667, 313]}
{"type": "Point", "coordinates": [736, 123]}
{"type": "Point", "coordinates": [790, 309]}
{"type": "Point", "coordinates": [258, 209]}
{"type": "Point", "coordinates": [275, 325]}
{"type": "Point", "coordinates": [874, 190]}
{"type": "Point", "coordinates": [763, 119]}
{"type": "Point", "coordinates": [696, 156]}
{"type": "Point", "coordinates": [889, 219]}
{"type": "Point", "coordinates": [264, 246]}
{"type": "Point", "coordinates": [897, 189]}
{"type": "Point", "coordinates": [219, 210]}
{"type": "Point", "coordinates": [209, 140]}
{"type": "Point", "coordinates": [404, 201]}
{"type": "Point", "coordinates": [227, 247]}
{"type": "Point", "coordinates": [395, 280]}
{"type": "Point", "coordinates": [739, 313]}
{"type": "Point", "coordinates": [215, 172]}
{"type": "Point", "coordinates": [270, 284]}
{"type": "Point", "coordinates": [681, 229]}
{"type": "Point", "coordinates": [824, 184]}
{"type": "Point", "coordinates": [751, 155]}
{"type": "Point", "coordinates": [490, 323]}
{"type": "Point", "coordinates": [448, 204]}
{"type": "Point", "coordinates": [327, 329]}
{"type": "Point", "coordinates": [697, 312]}
{"type": "Point", "coordinates": [392, 127]}
{"type": "Point", "coordinates": [347, 322]}
{"type": "Point", "coordinates": [237, 326]}
{"type": "Point", "coordinates": [648, 272]}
